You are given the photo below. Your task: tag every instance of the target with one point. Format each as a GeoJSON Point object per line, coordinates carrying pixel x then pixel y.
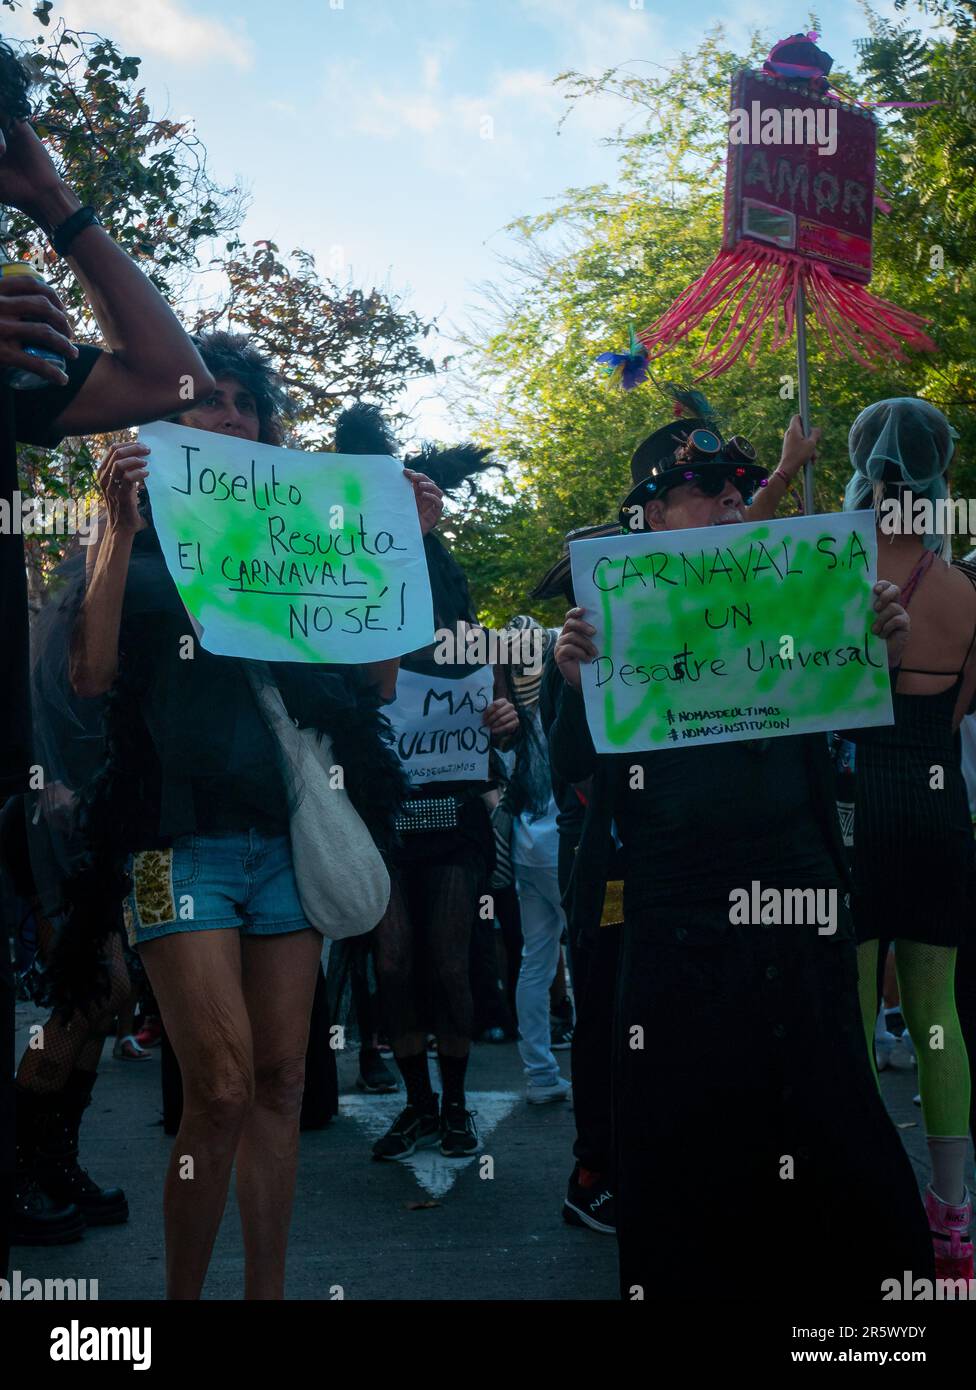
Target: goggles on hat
{"type": "Point", "coordinates": [705, 445]}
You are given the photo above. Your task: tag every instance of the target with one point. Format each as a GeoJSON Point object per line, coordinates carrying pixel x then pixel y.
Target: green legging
{"type": "Point", "coordinates": [926, 986]}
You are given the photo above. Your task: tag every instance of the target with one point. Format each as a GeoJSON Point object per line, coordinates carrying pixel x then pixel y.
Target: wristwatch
{"type": "Point", "coordinates": [63, 235]}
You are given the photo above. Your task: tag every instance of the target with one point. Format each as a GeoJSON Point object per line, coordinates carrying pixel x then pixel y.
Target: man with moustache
{"type": "Point", "coordinates": [751, 1143]}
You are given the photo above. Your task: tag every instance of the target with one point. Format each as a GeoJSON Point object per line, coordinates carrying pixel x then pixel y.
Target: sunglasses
{"type": "Point", "coordinates": [712, 483]}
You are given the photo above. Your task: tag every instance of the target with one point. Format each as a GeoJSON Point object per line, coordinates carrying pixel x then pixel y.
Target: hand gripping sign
{"type": "Point", "coordinates": [710, 635]}
{"type": "Point", "coordinates": [280, 555]}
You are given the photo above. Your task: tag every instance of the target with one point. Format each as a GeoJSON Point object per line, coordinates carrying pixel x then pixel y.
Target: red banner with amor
{"type": "Point", "coordinates": [800, 174]}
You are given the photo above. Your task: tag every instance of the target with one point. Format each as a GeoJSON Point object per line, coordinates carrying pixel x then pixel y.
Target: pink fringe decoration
{"type": "Point", "coordinates": [753, 287]}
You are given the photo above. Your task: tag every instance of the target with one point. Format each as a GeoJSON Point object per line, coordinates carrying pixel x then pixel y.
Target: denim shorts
{"type": "Point", "coordinates": [243, 880]}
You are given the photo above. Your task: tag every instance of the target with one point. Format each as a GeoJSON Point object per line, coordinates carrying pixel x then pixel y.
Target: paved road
{"type": "Point", "coordinates": [490, 1237]}
{"type": "Point", "coordinates": [357, 1225]}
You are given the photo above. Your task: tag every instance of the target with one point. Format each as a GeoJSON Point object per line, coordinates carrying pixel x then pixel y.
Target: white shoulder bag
{"type": "Point", "coordinates": [343, 884]}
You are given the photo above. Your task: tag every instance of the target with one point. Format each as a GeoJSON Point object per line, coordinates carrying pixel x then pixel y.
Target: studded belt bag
{"type": "Point", "coordinates": [428, 813]}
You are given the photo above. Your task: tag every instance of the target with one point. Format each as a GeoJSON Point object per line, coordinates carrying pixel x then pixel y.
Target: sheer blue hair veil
{"type": "Point", "coordinates": [903, 442]}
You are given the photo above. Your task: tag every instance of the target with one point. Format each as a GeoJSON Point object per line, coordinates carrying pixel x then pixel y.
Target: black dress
{"type": "Point", "coordinates": [753, 1150]}
{"type": "Point", "coordinates": [913, 842]}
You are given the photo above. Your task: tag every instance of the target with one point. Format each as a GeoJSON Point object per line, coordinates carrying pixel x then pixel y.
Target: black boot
{"type": "Point", "coordinates": [36, 1219]}
{"type": "Point", "coordinates": [59, 1173]}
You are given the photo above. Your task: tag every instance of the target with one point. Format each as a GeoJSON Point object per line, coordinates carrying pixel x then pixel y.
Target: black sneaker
{"type": "Point", "coordinates": [560, 1033]}
{"type": "Point", "coordinates": [459, 1135]}
{"type": "Point", "coordinates": [374, 1075]}
{"type": "Point", "coordinates": [412, 1129]}
{"type": "Point", "coordinates": [592, 1206]}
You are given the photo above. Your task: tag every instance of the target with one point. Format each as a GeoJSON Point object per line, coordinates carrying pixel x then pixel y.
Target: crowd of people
{"type": "Point", "coordinates": [723, 1076]}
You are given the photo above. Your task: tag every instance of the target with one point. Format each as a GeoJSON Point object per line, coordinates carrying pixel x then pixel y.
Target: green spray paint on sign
{"type": "Point", "coordinates": [284, 556]}
{"type": "Point", "coordinates": [742, 631]}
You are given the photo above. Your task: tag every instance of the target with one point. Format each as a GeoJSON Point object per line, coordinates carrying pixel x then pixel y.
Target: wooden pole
{"type": "Point", "coordinates": [803, 382]}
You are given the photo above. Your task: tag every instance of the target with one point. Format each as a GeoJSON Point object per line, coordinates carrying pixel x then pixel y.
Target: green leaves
{"type": "Point", "coordinates": [334, 343]}
{"type": "Point", "coordinates": [148, 178]}
{"type": "Point", "coordinates": [150, 181]}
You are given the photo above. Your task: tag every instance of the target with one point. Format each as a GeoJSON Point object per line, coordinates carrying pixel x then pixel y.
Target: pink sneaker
{"type": "Point", "coordinates": [949, 1227]}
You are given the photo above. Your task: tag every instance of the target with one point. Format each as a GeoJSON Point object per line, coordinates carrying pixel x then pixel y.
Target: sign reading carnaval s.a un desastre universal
{"type": "Point", "coordinates": [746, 631]}
{"type": "Point", "coordinates": [280, 555]}
{"type": "Point", "coordinates": [438, 725]}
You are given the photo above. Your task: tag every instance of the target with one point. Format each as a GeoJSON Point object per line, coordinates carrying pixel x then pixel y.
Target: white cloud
{"type": "Point", "coordinates": [592, 35]}
{"type": "Point", "coordinates": [473, 123]}
{"type": "Point", "coordinates": [526, 83]}
{"type": "Point", "coordinates": [447, 122]}
{"type": "Point", "coordinates": [416, 113]}
{"type": "Point", "coordinates": [432, 69]}
{"type": "Point", "coordinates": [164, 28]}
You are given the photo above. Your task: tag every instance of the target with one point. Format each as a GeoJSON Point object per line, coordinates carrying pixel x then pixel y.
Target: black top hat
{"type": "Point", "coordinates": [655, 467]}
{"type": "Point", "coordinates": [556, 582]}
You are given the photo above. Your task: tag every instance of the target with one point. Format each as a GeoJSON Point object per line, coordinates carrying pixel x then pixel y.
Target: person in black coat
{"type": "Point", "coordinates": [752, 1145]}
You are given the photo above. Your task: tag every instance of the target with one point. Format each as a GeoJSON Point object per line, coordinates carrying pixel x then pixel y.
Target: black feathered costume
{"type": "Point", "coordinates": [468, 849]}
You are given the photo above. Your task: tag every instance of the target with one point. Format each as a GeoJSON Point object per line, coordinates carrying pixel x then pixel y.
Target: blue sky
{"type": "Point", "coordinates": [396, 138]}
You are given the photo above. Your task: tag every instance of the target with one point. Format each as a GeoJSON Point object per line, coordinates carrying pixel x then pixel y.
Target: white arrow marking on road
{"type": "Point", "coordinates": [435, 1173]}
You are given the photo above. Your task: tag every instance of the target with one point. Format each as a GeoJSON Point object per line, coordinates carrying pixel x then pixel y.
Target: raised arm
{"type": "Point", "coordinates": [151, 368]}
{"type": "Point", "coordinates": [571, 752]}
{"type": "Point", "coordinates": [798, 448]}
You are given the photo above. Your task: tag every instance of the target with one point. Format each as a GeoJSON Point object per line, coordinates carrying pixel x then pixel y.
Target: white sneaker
{"type": "Point", "coordinates": [541, 1095]}
{"type": "Point", "coordinates": [903, 1053]}
{"type": "Point", "coordinates": [884, 1046]}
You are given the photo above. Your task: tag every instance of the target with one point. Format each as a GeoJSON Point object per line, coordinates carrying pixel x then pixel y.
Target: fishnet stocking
{"type": "Point", "coordinates": [422, 956]}
{"type": "Point", "coordinates": [64, 1045]}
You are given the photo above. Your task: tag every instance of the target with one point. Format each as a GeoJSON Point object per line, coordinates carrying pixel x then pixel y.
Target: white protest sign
{"type": "Point", "coordinates": [280, 555]}
{"type": "Point", "coordinates": [751, 630]}
{"type": "Point", "coordinates": [438, 725]}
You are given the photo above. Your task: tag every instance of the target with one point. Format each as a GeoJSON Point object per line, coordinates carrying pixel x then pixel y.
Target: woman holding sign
{"type": "Point", "coordinates": [198, 790]}
{"type": "Point", "coordinates": [910, 791]}
{"type": "Point", "coordinates": [445, 717]}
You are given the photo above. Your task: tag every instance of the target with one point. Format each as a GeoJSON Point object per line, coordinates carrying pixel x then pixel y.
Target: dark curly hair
{"type": "Point", "coordinates": [234, 355]}
{"type": "Point", "coordinates": [15, 83]}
